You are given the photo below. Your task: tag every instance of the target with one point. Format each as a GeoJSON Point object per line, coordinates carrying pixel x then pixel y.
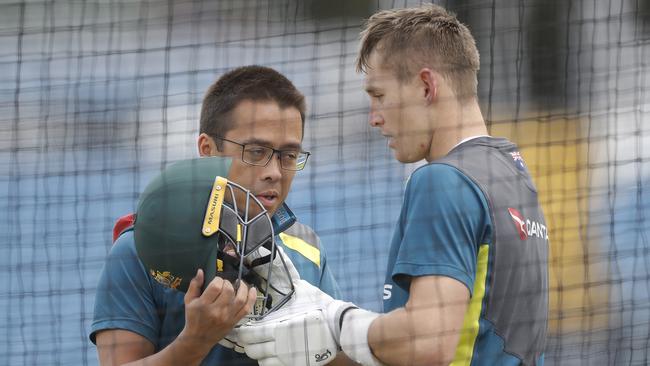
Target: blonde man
{"type": "Point", "coordinates": [467, 269]}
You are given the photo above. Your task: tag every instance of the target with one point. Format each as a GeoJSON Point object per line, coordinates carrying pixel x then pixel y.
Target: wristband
{"type": "Point", "coordinates": [354, 335]}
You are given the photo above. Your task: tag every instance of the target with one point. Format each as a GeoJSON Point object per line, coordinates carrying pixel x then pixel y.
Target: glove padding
{"type": "Point", "coordinates": [281, 271]}
{"type": "Point", "coordinates": [307, 330]}
{"type": "Point", "coordinates": [230, 341]}
{"type": "Point", "coordinates": [295, 340]}
{"type": "Point", "coordinates": [299, 333]}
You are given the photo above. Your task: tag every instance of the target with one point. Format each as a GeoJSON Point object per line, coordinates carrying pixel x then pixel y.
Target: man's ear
{"type": "Point", "coordinates": [429, 80]}
{"type": "Point", "coordinates": [206, 145]}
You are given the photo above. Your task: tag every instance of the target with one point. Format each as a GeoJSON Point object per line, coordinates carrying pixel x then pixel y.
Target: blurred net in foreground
{"type": "Point", "coordinates": [96, 96]}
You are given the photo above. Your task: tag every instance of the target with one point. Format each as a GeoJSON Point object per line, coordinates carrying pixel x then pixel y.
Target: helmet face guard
{"type": "Point", "coordinates": [244, 227]}
{"type": "Point", "coordinates": [190, 217]}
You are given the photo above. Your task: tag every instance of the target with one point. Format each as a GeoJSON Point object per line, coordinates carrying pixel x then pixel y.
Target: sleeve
{"type": "Point", "coordinates": [124, 298]}
{"type": "Point", "coordinates": [327, 282]}
{"type": "Point", "coordinates": [443, 222]}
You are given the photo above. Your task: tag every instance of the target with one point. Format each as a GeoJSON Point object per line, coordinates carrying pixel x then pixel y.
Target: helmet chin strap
{"type": "Point", "coordinates": [264, 259]}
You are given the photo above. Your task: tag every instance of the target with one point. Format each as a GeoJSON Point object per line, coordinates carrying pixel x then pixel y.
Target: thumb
{"type": "Point", "coordinates": [194, 289]}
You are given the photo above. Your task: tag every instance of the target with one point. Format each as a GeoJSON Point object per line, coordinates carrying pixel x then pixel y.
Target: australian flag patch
{"type": "Point", "coordinates": [519, 160]}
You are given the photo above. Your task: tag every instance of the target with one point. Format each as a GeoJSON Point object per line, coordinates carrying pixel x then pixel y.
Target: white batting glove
{"type": "Point", "coordinates": [230, 341]}
{"type": "Point", "coordinates": [309, 329]}
{"type": "Point", "coordinates": [281, 285]}
{"type": "Point", "coordinates": [301, 340]}
{"type": "Point", "coordinates": [281, 271]}
{"type": "Point", "coordinates": [298, 333]}
{"type": "Point", "coordinates": [277, 266]}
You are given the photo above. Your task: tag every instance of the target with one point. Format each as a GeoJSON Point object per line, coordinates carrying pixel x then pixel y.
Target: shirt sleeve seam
{"type": "Point", "coordinates": [452, 272]}
{"type": "Point", "coordinates": [144, 329]}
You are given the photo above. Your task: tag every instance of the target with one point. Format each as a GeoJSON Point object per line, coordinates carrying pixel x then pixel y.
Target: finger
{"type": "Point", "coordinates": [240, 300]}
{"type": "Point", "coordinates": [256, 333]}
{"type": "Point", "coordinates": [247, 308]}
{"type": "Point", "coordinates": [226, 296]}
{"type": "Point", "coordinates": [252, 298]}
{"type": "Point", "coordinates": [239, 349]}
{"type": "Point", "coordinates": [230, 338]}
{"type": "Point", "coordinates": [194, 289]}
{"type": "Point", "coordinates": [227, 343]}
{"type": "Point", "coordinates": [214, 289]}
{"type": "Point", "coordinates": [260, 351]}
{"type": "Point", "coordinates": [231, 341]}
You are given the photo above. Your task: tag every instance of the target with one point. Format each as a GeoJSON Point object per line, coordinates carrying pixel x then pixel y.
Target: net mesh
{"type": "Point", "coordinates": [97, 96]}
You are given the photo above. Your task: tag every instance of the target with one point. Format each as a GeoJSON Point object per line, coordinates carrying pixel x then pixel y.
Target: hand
{"type": "Point", "coordinates": [211, 315]}
{"type": "Point", "coordinates": [299, 333]}
{"type": "Point", "coordinates": [309, 329]}
{"type": "Point", "coordinates": [282, 272]}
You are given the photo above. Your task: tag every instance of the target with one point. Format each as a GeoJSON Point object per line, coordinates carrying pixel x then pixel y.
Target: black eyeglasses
{"type": "Point", "coordinates": [259, 155]}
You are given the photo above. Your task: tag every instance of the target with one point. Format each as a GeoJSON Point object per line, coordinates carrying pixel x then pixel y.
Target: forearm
{"type": "Point", "coordinates": [406, 336]}
{"type": "Point", "coordinates": [401, 337]}
{"type": "Point", "coordinates": [209, 316]}
{"type": "Point", "coordinates": [180, 352]}
{"type": "Point", "coordinates": [427, 329]}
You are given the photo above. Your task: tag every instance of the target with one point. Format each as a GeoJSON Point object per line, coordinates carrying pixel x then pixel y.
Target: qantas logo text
{"type": "Point", "coordinates": [526, 227]}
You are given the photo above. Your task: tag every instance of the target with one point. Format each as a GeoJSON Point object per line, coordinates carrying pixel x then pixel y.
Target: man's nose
{"type": "Point", "coordinates": [375, 119]}
{"type": "Point", "coordinates": [273, 170]}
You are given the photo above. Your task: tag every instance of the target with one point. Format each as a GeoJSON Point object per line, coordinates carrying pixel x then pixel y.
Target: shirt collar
{"type": "Point", "coordinates": [282, 219]}
{"type": "Point", "coordinates": [467, 139]}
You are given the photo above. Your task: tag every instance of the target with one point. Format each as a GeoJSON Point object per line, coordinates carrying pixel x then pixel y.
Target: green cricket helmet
{"type": "Point", "coordinates": [190, 216]}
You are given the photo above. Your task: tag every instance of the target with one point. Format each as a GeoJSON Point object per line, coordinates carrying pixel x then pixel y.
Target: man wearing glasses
{"type": "Point", "coordinates": [255, 116]}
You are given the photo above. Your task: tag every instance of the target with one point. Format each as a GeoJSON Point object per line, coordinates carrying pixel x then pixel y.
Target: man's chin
{"type": "Point", "coordinates": [272, 209]}
{"type": "Point", "coordinates": [407, 159]}
{"type": "Point", "coordinates": [271, 212]}
{"type": "Point", "coordinates": [400, 156]}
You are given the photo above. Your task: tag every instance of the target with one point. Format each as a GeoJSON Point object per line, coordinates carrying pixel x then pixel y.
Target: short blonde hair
{"type": "Point", "coordinates": [425, 36]}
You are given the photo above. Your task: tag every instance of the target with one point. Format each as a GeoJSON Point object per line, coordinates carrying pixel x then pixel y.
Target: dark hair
{"type": "Point", "coordinates": [255, 83]}
{"type": "Point", "coordinates": [425, 36]}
